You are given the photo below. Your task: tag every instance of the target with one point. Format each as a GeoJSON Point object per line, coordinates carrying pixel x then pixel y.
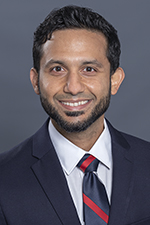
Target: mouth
{"type": "Point", "coordinates": [75, 105]}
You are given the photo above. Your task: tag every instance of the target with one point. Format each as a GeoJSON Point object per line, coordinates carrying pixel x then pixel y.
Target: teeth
{"type": "Point", "coordinates": [75, 104]}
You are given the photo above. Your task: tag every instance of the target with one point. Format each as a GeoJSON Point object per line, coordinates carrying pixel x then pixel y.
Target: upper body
{"type": "Point", "coordinates": [34, 188]}
{"type": "Point", "coordinates": [76, 70]}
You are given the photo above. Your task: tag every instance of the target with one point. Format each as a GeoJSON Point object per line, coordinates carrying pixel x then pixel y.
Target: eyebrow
{"type": "Point", "coordinates": [51, 61]}
{"type": "Point", "coordinates": [93, 62]}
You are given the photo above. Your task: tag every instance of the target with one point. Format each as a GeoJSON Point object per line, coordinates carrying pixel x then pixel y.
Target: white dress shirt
{"type": "Point", "coordinates": [69, 156]}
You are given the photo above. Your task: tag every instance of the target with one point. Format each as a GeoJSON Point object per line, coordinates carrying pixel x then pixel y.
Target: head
{"type": "Point", "coordinates": [76, 67]}
{"type": "Point", "coordinates": [74, 17]}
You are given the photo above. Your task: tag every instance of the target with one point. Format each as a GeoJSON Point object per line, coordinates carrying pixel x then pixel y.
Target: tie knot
{"type": "Point", "coordinates": [88, 163]}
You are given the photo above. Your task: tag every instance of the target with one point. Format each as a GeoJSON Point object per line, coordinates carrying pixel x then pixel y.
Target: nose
{"type": "Point", "coordinates": [74, 84]}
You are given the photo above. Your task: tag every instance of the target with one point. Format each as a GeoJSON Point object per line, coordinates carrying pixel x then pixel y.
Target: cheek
{"type": "Point", "coordinates": [99, 87]}
{"type": "Point", "coordinates": [49, 87]}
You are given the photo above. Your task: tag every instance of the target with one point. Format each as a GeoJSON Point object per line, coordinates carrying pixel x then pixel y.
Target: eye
{"type": "Point", "coordinates": [57, 69]}
{"type": "Point", "coordinates": [89, 69]}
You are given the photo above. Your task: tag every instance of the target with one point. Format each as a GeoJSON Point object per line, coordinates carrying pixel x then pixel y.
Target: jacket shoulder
{"type": "Point", "coordinates": [16, 152]}
{"type": "Point", "coordinates": [128, 141]}
{"type": "Point", "coordinates": [24, 150]}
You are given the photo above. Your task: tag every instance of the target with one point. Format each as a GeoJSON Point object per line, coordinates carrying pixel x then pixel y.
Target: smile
{"type": "Point", "coordinates": [75, 104]}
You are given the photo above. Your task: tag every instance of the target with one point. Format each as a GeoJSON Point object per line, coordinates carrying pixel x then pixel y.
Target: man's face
{"type": "Point", "coordinates": [74, 78]}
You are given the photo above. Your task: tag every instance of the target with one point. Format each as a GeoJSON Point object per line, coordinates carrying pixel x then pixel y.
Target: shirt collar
{"type": "Point", "coordinates": [69, 154]}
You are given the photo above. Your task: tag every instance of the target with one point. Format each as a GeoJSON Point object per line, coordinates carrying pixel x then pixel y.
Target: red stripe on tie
{"type": "Point", "coordinates": [95, 208]}
{"type": "Point", "coordinates": [86, 163]}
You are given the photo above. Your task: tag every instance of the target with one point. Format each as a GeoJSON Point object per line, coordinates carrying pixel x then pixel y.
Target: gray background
{"type": "Point", "coordinates": [20, 111]}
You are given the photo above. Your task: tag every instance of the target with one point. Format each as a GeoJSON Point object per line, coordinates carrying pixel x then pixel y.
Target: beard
{"type": "Point", "coordinates": [79, 126]}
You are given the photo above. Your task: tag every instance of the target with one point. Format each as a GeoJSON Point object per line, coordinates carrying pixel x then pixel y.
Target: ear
{"type": "Point", "coordinates": [116, 80]}
{"type": "Point", "coordinates": [34, 80]}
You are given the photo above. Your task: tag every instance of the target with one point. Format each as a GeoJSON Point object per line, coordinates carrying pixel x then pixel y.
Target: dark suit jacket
{"type": "Point", "coordinates": [34, 191]}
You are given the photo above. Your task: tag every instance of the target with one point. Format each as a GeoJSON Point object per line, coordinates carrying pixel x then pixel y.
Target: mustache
{"type": "Point", "coordinates": [73, 97]}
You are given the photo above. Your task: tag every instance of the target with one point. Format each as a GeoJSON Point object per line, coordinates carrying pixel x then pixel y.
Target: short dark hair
{"type": "Point", "coordinates": [73, 17]}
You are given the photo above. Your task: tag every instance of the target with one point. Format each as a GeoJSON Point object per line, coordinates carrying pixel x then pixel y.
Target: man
{"type": "Point", "coordinates": [76, 70]}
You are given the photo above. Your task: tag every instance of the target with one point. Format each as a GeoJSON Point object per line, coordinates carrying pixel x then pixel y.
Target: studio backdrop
{"type": "Point", "coordinates": [20, 111]}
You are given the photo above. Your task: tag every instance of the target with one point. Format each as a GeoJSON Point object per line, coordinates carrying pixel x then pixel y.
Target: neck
{"type": "Point", "coordinates": [85, 139]}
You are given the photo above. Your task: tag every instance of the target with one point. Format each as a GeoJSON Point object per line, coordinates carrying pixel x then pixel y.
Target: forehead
{"type": "Point", "coordinates": [75, 41]}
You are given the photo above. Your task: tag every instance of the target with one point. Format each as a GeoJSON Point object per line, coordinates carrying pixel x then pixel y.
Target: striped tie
{"type": "Point", "coordinates": [95, 201]}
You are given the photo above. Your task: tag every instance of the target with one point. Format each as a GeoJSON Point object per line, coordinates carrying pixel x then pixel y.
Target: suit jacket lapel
{"type": "Point", "coordinates": [51, 177]}
{"type": "Point", "coordinates": [122, 177]}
